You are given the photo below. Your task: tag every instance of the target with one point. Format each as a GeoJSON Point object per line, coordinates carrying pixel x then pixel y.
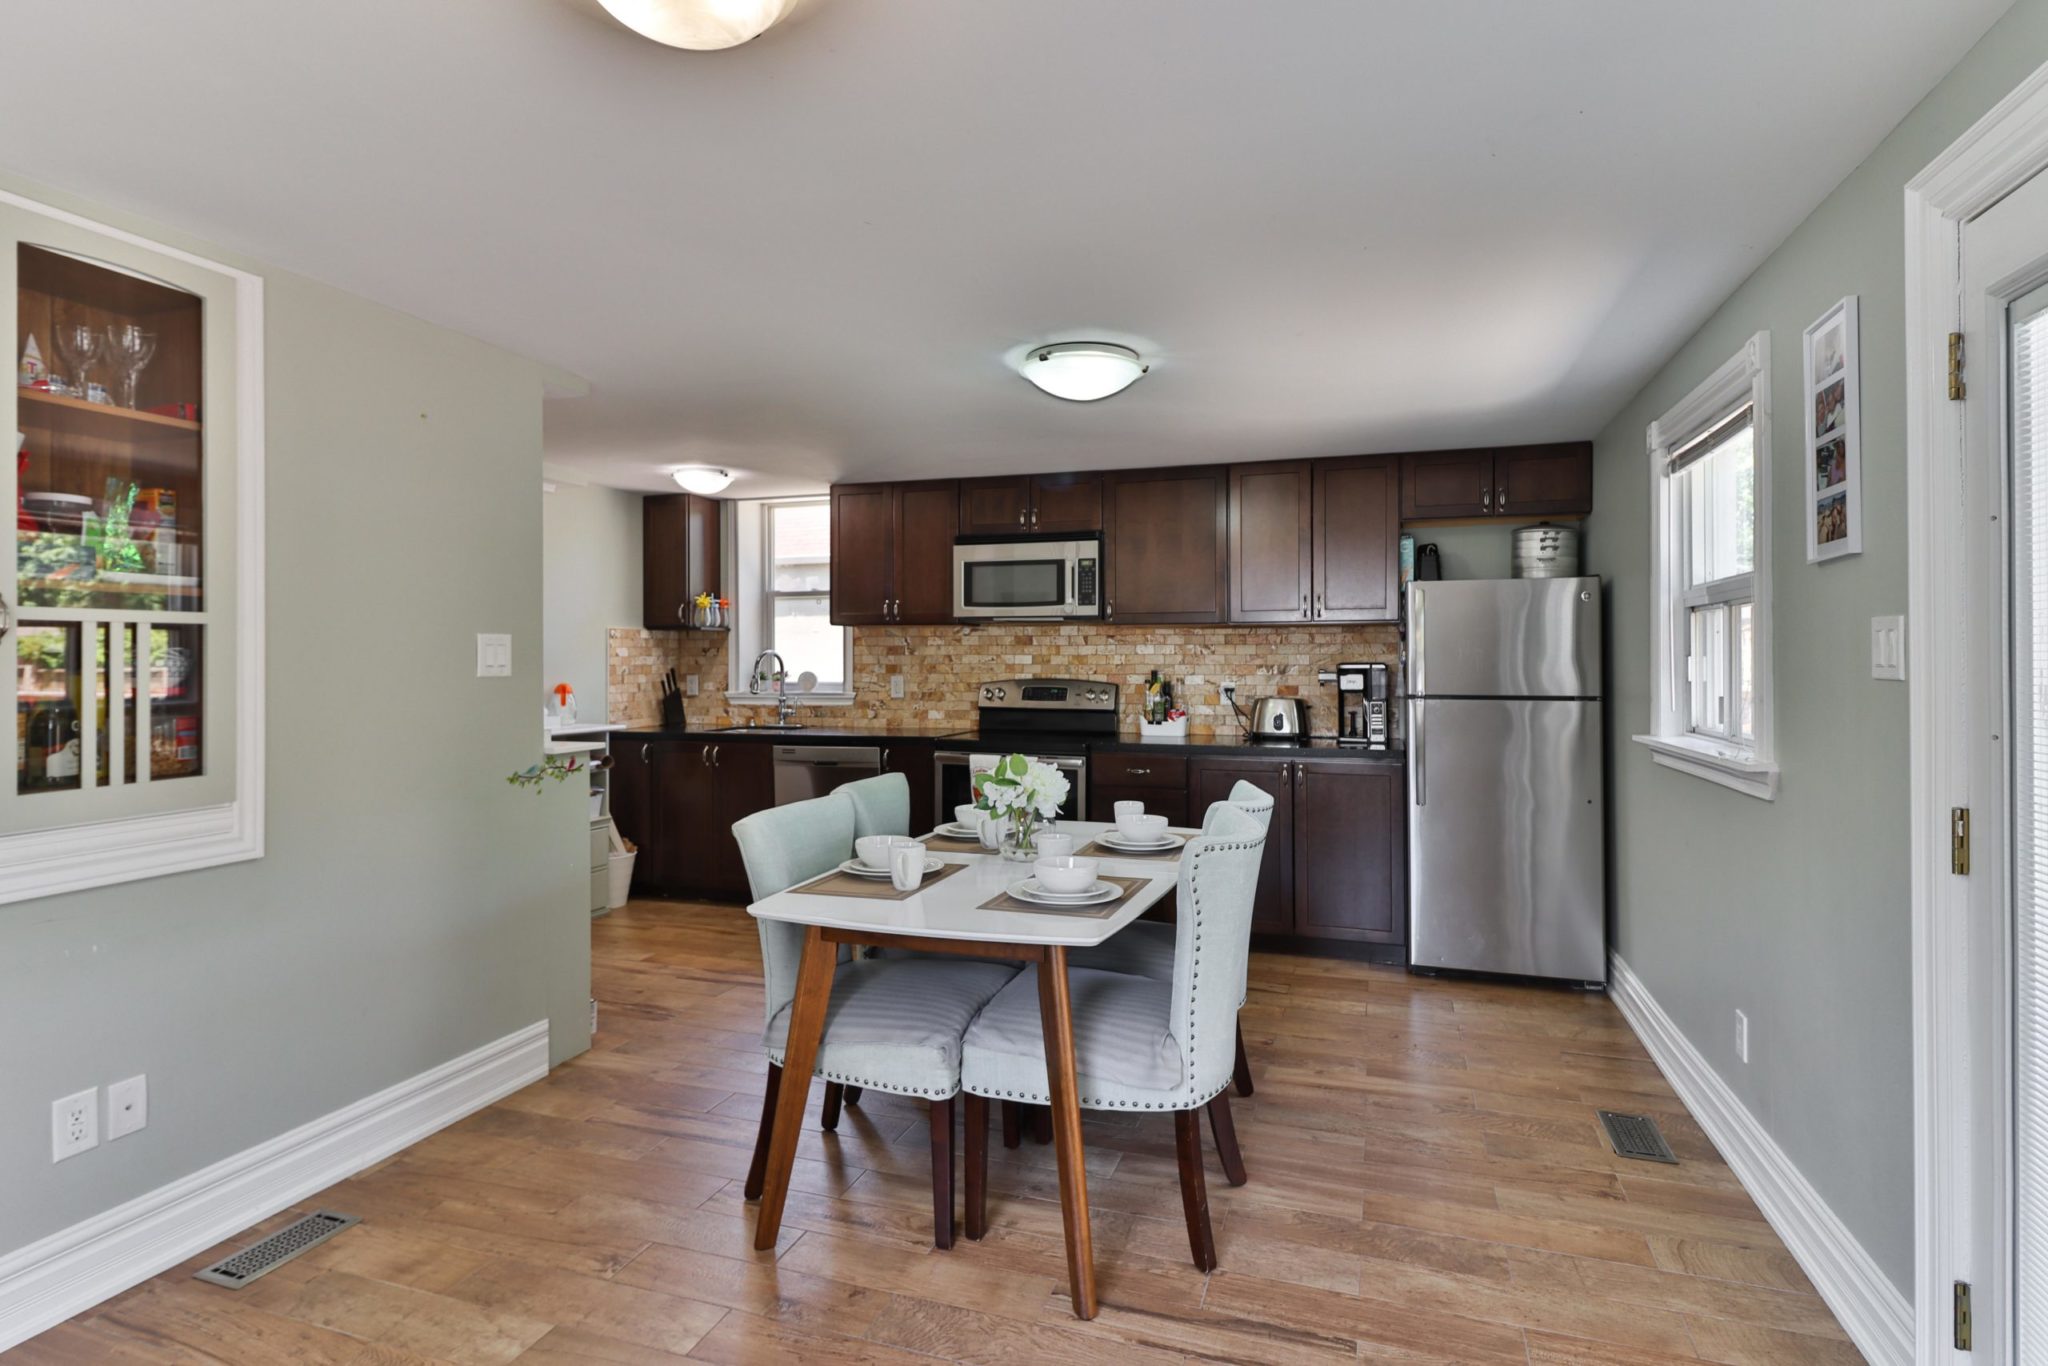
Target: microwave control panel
{"type": "Point", "coordinates": [1084, 582]}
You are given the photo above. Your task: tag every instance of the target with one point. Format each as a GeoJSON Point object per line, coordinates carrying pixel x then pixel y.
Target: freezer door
{"type": "Point", "coordinates": [1505, 865]}
{"type": "Point", "coordinates": [1504, 638]}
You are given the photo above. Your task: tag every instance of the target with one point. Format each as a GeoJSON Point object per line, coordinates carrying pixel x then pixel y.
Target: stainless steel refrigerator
{"type": "Point", "coordinates": [1505, 865]}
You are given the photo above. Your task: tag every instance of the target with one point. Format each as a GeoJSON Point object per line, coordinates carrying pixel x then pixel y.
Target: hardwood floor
{"type": "Point", "coordinates": [1428, 1184]}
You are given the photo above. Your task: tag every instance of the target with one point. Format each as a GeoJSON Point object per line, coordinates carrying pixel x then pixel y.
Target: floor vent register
{"type": "Point", "coordinates": [261, 1258]}
{"type": "Point", "coordinates": [1636, 1136]}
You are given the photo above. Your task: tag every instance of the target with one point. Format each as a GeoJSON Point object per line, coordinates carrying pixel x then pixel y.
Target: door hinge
{"type": "Point", "coordinates": [1959, 840]}
{"type": "Point", "coordinates": [1956, 387]}
{"type": "Point", "coordinates": [1962, 1316]}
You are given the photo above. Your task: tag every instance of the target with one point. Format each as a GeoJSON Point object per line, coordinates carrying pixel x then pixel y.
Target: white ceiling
{"type": "Point", "coordinates": [1334, 226]}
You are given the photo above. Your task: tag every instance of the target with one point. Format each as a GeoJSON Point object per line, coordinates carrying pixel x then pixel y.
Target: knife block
{"type": "Point", "coordinates": [672, 713]}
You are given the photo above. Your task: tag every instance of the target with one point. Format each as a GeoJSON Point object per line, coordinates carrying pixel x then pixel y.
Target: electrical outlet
{"type": "Point", "coordinates": [1230, 693]}
{"type": "Point", "coordinates": [896, 686]}
{"type": "Point", "coordinates": [1742, 1037]}
{"type": "Point", "coordinates": [127, 1107]}
{"type": "Point", "coordinates": [74, 1124]}
{"type": "Point", "coordinates": [493, 656]}
{"type": "Point", "coordinates": [689, 685]}
{"type": "Point", "coordinates": [1888, 648]}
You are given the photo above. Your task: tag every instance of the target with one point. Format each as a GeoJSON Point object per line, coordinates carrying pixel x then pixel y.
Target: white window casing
{"type": "Point", "coordinates": [1694, 729]}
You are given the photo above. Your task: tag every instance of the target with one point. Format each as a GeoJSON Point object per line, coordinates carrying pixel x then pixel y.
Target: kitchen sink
{"type": "Point", "coordinates": [765, 725]}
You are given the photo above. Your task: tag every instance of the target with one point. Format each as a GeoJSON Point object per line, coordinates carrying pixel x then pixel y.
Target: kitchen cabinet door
{"type": "Point", "coordinates": [1446, 484]}
{"type": "Point", "coordinates": [740, 780]}
{"type": "Point", "coordinates": [863, 553]}
{"type": "Point", "coordinates": [1164, 535]}
{"type": "Point", "coordinates": [1349, 845]}
{"type": "Point", "coordinates": [682, 809]}
{"type": "Point", "coordinates": [913, 759]}
{"type": "Point", "coordinates": [1070, 503]}
{"type": "Point", "coordinates": [1357, 539]}
{"type": "Point", "coordinates": [1269, 541]}
{"type": "Point", "coordinates": [926, 517]}
{"type": "Point", "coordinates": [1531, 481]}
{"type": "Point", "coordinates": [1210, 781]}
{"type": "Point", "coordinates": [994, 507]}
{"type": "Point", "coordinates": [632, 796]}
{"type": "Point", "coordinates": [679, 556]}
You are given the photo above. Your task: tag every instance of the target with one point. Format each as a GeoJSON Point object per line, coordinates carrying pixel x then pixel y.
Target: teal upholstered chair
{"type": "Point", "coordinates": [881, 805]}
{"type": "Point", "coordinates": [1140, 1043]}
{"type": "Point", "coordinates": [1146, 948]}
{"type": "Point", "coordinates": [894, 1024]}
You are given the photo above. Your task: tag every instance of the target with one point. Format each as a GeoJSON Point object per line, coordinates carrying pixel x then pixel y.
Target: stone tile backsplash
{"type": "Point", "coordinates": [942, 666]}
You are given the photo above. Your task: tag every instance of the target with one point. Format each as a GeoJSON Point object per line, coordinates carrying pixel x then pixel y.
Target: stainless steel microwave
{"type": "Point", "coordinates": [1047, 580]}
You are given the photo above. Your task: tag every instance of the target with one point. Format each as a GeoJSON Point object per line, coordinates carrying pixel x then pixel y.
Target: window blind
{"type": "Point", "coordinates": [1707, 441]}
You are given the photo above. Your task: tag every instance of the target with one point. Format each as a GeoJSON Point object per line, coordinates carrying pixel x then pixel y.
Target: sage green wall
{"type": "Point", "coordinates": [591, 568]}
{"type": "Point", "coordinates": [410, 906]}
{"type": "Point", "coordinates": [1795, 911]}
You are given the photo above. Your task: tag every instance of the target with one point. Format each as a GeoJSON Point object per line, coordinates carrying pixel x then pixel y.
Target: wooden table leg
{"type": "Point", "coordinates": [1056, 1013]}
{"type": "Point", "coordinates": [799, 1056]}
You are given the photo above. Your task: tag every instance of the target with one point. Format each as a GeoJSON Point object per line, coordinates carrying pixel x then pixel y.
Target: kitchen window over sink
{"type": "Point", "coordinates": [796, 596]}
{"type": "Point", "coordinates": [1710, 567]}
{"type": "Point", "coordinates": [130, 587]}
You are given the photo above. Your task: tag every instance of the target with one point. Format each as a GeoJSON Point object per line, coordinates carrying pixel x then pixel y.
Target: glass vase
{"type": "Point", "coordinates": [1020, 839]}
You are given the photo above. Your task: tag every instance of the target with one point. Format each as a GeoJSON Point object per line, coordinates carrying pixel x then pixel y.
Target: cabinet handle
{"type": "Point", "coordinates": [643, 752]}
{"type": "Point", "coordinates": [1138, 772]}
{"type": "Point", "coordinates": [1319, 606]}
{"type": "Point", "coordinates": [716, 752]}
{"type": "Point", "coordinates": [1023, 516]}
{"type": "Point", "coordinates": [1034, 519]}
{"type": "Point", "coordinates": [1109, 611]}
{"type": "Point", "coordinates": [704, 756]}
{"type": "Point", "coordinates": [679, 614]}
{"type": "Point", "coordinates": [1486, 498]}
{"type": "Point", "coordinates": [1304, 604]}
{"type": "Point", "coordinates": [885, 760]}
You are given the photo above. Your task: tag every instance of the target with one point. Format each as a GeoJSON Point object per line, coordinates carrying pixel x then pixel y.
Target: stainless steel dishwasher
{"type": "Point", "coordinates": [806, 771]}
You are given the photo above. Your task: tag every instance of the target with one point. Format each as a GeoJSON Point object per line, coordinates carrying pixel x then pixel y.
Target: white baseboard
{"type": "Point", "coordinates": [68, 1272]}
{"type": "Point", "coordinates": [1874, 1312]}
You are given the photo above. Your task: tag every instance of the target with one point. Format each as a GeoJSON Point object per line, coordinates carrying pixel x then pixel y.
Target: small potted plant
{"type": "Point", "coordinates": [1020, 794]}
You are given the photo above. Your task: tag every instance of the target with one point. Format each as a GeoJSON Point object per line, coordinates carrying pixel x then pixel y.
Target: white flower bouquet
{"type": "Point", "coordinates": [1021, 792]}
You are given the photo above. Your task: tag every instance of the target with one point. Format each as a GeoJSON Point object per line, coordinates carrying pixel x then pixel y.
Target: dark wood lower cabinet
{"type": "Point", "coordinates": [1209, 782]}
{"type": "Point", "coordinates": [677, 800]}
{"type": "Point", "coordinates": [913, 759]}
{"type": "Point", "coordinates": [1349, 836]}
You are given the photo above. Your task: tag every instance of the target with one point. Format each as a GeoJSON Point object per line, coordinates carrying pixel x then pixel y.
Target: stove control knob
{"type": "Point", "coordinates": [1002, 693]}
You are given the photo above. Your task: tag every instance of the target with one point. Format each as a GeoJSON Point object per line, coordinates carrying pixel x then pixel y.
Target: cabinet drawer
{"type": "Point", "coordinates": [1140, 770]}
{"type": "Point", "coordinates": [600, 846]}
{"type": "Point", "coordinates": [600, 890]}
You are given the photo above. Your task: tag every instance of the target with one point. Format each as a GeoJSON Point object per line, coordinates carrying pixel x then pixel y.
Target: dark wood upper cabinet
{"type": "Point", "coordinates": [1349, 852]}
{"type": "Point", "coordinates": [1446, 484]}
{"type": "Point", "coordinates": [1537, 480]}
{"type": "Point", "coordinates": [1509, 481]}
{"type": "Point", "coordinates": [990, 507]}
{"type": "Point", "coordinates": [1022, 504]}
{"type": "Point", "coordinates": [927, 517]}
{"type": "Point", "coordinates": [1164, 536]}
{"type": "Point", "coordinates": [892, 552]}
{"type": "Point", "coordinates": [679, 556]}
{"type": "Point", "coordinates": [863, 553]}
{"type": "Point", "coordinates": [1270, 563]}
{"type": "Point", "coordinates": [1357, 540]}
{"type": "Point", "coordinates": [1066, 502]}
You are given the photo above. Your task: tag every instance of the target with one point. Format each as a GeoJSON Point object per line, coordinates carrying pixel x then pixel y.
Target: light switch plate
{"type": "Point", "coordinates": [690, 686]}
{"type": "Point", "coordinates": [896, 685]}
{"type": "Point", "coordinates": [1888, 648]}
{"type": "Point", "coordinates": [127, 1107]}
{"type": "Point", "coordinates": [493, 656]}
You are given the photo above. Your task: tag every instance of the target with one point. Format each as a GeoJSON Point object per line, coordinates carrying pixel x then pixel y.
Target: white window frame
{"type": "Point", "coordinates": [99, 853]}
{"type": "Point", "coordinates": [1749, 767]}
{"type": "Point", "coordinates": [754, 630]}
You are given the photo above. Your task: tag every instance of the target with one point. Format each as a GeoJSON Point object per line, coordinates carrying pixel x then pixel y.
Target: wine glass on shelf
{"type": "Point", "coordinates": [132, 347]}
{"type": "Point", "coordinates": [81, 345]}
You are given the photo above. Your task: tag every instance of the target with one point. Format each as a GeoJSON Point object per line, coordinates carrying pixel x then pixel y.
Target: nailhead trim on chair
{"type": "Point", "coordinates": [868, 1085]}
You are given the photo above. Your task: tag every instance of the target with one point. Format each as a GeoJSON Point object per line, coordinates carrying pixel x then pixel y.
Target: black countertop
{"type": "Point", "coordinates": [1232, 746]}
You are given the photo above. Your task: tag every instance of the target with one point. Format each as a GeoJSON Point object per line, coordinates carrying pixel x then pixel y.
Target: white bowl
{"type": "Point", "coordinates": [1140, 828]}
{"type": "Point", "coordinates": [1065, 874]}
{"type": "Point", "coordinates": [1054, 843]}
{"type": "Point", "coordinates": [967, 817]}
{"type": "Point", "coordinates": [873, 850]}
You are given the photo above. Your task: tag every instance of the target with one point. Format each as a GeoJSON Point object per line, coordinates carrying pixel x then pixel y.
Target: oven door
{"type": "Point", "coordinates": [955, 784]}
{"type": "Point", "coordinates": [1049, 580]}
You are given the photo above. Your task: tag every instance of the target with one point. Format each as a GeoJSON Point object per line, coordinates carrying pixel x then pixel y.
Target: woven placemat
{"type": "Point", "coordinates": [1005, 902]}
{"type": "Point", "coordinates": [946, 844]}
{"type": "Point", "coordinates": [836, 883]}
{"type": "Point", "coordinates": [1097, 849]}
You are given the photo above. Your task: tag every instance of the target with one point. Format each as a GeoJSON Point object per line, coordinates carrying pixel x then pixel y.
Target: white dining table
{"type": "Point", "coordinates": [946, 916]}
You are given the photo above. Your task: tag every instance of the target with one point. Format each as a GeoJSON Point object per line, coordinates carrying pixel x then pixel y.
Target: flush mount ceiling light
{"type": "Point", "coordinates": [699, 25]}
{"type": "Point", "coordinates": [1082, 371]}
{"type": "Point", "coordinates": [702, 479]}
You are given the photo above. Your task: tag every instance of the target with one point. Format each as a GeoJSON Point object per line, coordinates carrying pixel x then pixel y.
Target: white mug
{"type": "Point", "coordinates": [906, 866]}
{"type": "Point", "coordinates": [1122, 810]}
{"type": "Point", "coordinates": [1054, 844]}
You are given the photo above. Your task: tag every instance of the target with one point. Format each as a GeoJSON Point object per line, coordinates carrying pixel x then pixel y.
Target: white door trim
{"type": "Point", "coordinates": [2002, 151]}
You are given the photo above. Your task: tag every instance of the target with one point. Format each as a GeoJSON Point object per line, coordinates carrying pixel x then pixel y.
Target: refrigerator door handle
{"type": "Point", "coordinates": [1417, 658]}
{"type": "Point", "coordinates": [1416, 750]}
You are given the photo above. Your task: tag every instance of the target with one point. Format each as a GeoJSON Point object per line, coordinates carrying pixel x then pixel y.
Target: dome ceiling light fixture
{"type": "Point", "coordinates": [702, 479]}
{"type": "Point", "coordinates": [699, 25]}
{"type": "Point", "coordinates": [1083, 371]}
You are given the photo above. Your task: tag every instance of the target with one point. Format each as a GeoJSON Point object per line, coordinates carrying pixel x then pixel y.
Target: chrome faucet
{"type": "Point", "coordinates": [781, 680]}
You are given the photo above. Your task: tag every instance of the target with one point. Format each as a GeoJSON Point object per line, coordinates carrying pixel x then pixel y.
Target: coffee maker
{"type": "Point", "coordinates": [1364, 704]}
